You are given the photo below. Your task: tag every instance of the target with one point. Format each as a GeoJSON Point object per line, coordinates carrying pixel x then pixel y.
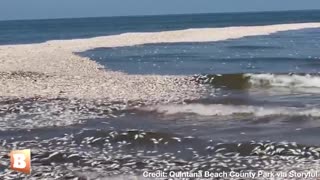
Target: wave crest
{"type": "Point", "coordinates": [242, 81]}
{"type": "Point", "coordinates": [291, 80]}
{"type": "Point", "coordinates": [225, 110]}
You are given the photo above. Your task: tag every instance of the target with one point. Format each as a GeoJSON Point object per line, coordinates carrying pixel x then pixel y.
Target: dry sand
{"type": "Point", "coordinates": [52, 69]}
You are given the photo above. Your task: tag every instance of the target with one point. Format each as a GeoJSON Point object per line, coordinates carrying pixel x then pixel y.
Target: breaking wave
{"type": "Point", "coordinates": [225, 110]}
{"type": "Point", "coordinates": [242, 81]}
{"type": "Point", "coordinates": [292, 80]}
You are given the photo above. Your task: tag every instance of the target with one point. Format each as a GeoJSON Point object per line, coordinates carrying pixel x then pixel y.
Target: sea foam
{"type": "Point", "coordinates": [280, 80]}
{"type": "Point", "coordinates": [226, 110]}
{"type": "Point", "coordinates": [243, 81]}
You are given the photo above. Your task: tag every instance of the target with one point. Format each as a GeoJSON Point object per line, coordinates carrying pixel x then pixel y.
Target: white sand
{"type": "Point", "coordinates": [72, 76]}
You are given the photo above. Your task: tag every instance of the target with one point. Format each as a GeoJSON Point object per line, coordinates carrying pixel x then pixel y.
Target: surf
{"type": "Point", "coordinates": [262, 80]}
{"type": "Point", "coordinates": [228, 110]}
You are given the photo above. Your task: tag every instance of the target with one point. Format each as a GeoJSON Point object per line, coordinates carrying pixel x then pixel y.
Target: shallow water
{"type": "Point", "coordinates": [134, 141]}
{"type": "Point", "coordinates": [292, 51]}
{"type": "Point", "coordinates": [265, 85]}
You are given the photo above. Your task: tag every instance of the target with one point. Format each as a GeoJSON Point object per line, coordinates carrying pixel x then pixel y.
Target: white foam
{"type": "Point", "coordinates": [304, 81]}
{"type": "Point", "coordinates": [225, 110]}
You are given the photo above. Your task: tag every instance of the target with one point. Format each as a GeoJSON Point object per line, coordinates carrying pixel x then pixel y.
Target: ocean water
{"type": "Point", "coordinates": [274, 77]}
{"type": "Point", "coordinates": [34, 31]}
{"type": "Point", "coordinates": [260, 108]}
{"type": "Point", "coordinates": [292, 51]}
